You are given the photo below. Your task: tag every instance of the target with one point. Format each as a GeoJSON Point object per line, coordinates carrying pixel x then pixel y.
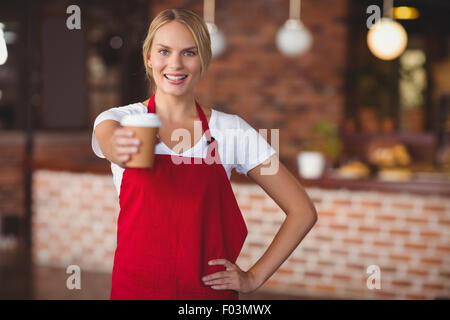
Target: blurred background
{"type": "Point", "coordinates": [363, 119]}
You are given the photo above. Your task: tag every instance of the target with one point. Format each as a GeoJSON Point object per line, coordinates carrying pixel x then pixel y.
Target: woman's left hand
{"type": "Point", "coordinates": [232, 279]}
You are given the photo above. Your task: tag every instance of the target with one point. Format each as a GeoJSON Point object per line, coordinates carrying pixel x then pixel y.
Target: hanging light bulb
{"type": "Point", "coordinates": [387, 39]}
{"type": "Point", "coordinates": [218, 41]}
{"type": "Point", "coordinates": [3, 50]}
{"type": "Point", "coordinates": [293, 38]}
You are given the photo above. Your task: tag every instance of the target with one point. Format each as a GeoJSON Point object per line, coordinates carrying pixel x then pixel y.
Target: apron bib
{"type": "Point", "coordinates": [174, 218]}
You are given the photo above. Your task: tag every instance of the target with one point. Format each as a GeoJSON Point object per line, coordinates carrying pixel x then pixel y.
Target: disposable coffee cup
{"type": "Point", "coordinates": [145, 128]}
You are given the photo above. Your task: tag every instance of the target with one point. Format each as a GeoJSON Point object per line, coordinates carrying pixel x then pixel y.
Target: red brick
{"type": "Point", "coordinates": [86, 185]}
{"type": "Point", "coordinates": [444, 274]}
{"type": "Point", "coordinates": [108, 208]}
{"type": "Point", "coordinates": [298, 260]}
{"type": "Point", "coordinates": [402, 205]}
{"type": "Point", "coordinates": [443, 248]}
{"type": "Point", "coordinates": [256, 245]}
{"type": "Point", "coordinates": [245, 207]}
{"type": "Point", "coordinates": [397, 232]}
{"type": "Point", "coordinates": [430, 234]}
{"type": "Point", "coordinates": [378, 243]}
{"type": "Point", "coordinates": [340, 252]}
{"type": "Point", "coordinates": [369, 229]}
{"type": "Point", "coordinates": [433, 286]}
{"type": "Point", "coordinates": [342, 277]}
{"type": "Point", "coordinates": [401, 283]}
{"type": "Point", "coordinates": [299, 286]}
{"type": "Point", "coordinates": [256, 197]}
{"type": "Point", "coordinates": [272, 282]}
{"type": "Point", "coordinates": [417, 272]}
{"type": "Point", "coordinates": [353, 241]}
{"type": "Point", "coordinates": [313, 274]}
{"type": "Point", "coordinates": [324, 238]}
{"type": "Point", "coordinates": [416, 220]}
{"type": "Point", "coordinates": [415, 246]}
{"type": "Point", "coordinates": [336, 226]}
{"type": "Point", "coordinates": [54, 193]}
{"type": "Point", "coordinates": [311, 249]}
{"type": "Point", "coordinates": [328, 289]}
{"type": "Point", "coordinates": [285, 271]}
{"type": "Point", "coordinates": [444, 221]}
{"type": "Point", "coordinates": [376, 204]}
{"type": "Point", "coordinates": [389, 269]}
{"type": "Point", "coordinates": [434, 208]}
{"type": "Point", "coordinates": [326, 214]}
{"type": "Point", "coordinates": [270, 210]}
{"type": "Point", "coordinates": [386, 217]}
{"type": "Point", "coordinates": [269, 234]}
{"type": "Point", "coordinates": [357, 266]}
{"type": "Point", "coordinates": [254, 220]}
{"type": "Point", "coordinates": [356, 215]}
{"type": "Point", "coordinates": [433, 261]}
{"type": "Point", "coordinates": [399, 258]}
{"type": "Point", "coordinates": [342, 202]}
{"type": "Point", "coordinates": [324, 263]}
{"type": "Point", "coordinates": [369, 255]}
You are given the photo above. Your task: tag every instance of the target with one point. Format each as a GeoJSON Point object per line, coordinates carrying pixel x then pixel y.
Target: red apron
{"type": "Point", "coordinates": [174, 218]}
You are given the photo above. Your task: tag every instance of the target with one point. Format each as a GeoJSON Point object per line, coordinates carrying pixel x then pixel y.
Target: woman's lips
{"type": "Point", "coordinates": [178, 79]}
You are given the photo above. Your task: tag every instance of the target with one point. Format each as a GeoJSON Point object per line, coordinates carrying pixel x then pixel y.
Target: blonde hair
{"type": "Point", "coordinates": [193, 22]}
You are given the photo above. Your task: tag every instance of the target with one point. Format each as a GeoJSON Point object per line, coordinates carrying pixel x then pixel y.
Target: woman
{"type": "Point", "coordinates": [180, 229]}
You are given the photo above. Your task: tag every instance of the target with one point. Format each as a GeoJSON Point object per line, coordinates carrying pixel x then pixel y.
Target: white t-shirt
{"type": "Point", "coordinates": [240, 146]}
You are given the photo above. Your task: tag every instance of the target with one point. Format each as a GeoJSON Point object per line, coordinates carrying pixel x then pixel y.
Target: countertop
{"type": "Point", "coordinates": [71, 151]}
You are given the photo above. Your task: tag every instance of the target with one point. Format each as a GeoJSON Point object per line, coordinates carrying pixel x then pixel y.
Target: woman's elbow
{"type": "Point", "coordinates": [313, 214]}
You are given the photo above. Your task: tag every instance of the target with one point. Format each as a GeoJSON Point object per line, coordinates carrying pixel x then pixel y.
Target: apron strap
{"type": "Point", "coordinates": [209, 139]}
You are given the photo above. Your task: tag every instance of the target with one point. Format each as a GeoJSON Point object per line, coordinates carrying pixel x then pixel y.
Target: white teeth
{"type": "Point", "coordinates": [175, 78]}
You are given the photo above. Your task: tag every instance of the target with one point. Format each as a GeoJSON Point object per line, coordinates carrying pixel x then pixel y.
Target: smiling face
{"type": "Point", "coordinates": [174, 59]}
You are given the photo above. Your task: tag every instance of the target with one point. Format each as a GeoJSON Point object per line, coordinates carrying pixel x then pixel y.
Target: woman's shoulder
{"type": "Point", "coordinates": [224, 120]}
{"type": "Point", "coordinates": [116, 113]}
{"type": "Point", "coordinates": [135, 107]}
{"type": "Point", "coordinates": [132, 108]}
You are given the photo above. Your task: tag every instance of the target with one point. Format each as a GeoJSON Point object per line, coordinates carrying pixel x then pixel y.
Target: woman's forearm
{"type": "Point", "coordinates": [294, 228]}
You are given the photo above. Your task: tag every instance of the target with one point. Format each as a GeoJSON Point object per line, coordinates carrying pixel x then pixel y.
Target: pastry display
{"type": "Point", "coordinates": [395, 174]}
{"type": "Point", "coordinates": [354, 170]}
{"type": "Point", "coordinates": [389, 155]}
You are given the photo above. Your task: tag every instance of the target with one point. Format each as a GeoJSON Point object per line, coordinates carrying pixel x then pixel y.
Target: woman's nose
{"type": "Point", "coordinates": [175, 61]}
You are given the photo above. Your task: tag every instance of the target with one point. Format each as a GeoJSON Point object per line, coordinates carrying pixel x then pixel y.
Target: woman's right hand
{"type": "Point", "coordinates": [123, 146]}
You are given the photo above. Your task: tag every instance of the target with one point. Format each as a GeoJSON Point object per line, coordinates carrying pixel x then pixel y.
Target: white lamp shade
{"type": "Point", "coordinates": [387, 39]}
{"type": "Point", "coordinates": [218, 41]}
{"type": "Point", "coordinates": [293, 38]}
{"type": "Point", "coordinates": [3, 50]}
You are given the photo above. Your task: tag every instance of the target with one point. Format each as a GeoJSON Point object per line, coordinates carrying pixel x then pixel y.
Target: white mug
{"type": "Point", "coordinates": [311, 164]}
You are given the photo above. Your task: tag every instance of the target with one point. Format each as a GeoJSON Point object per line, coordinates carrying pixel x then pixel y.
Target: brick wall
{"type": "Point", "coordinates": [407, 236]}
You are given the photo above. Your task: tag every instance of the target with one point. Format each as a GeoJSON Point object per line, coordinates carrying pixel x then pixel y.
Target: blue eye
{"type": "Point", "coordinates": [163, 52]}
{"type": "Point", "coordinates": [190, 53]}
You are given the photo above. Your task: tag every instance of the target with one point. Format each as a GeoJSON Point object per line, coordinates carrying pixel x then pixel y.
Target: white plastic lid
{"type": "Point", "coordinates": [141, 120]}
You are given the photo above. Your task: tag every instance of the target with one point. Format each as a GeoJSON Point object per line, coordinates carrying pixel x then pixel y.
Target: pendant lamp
{"type": "Point", "coordinates": [3, 50]}
{"type": "Point", "coordinates": [293, 38]}
{"type": "Point", "coordinates": [218, 42]}
{"type": "Point", "coordinates": [387, 39]}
